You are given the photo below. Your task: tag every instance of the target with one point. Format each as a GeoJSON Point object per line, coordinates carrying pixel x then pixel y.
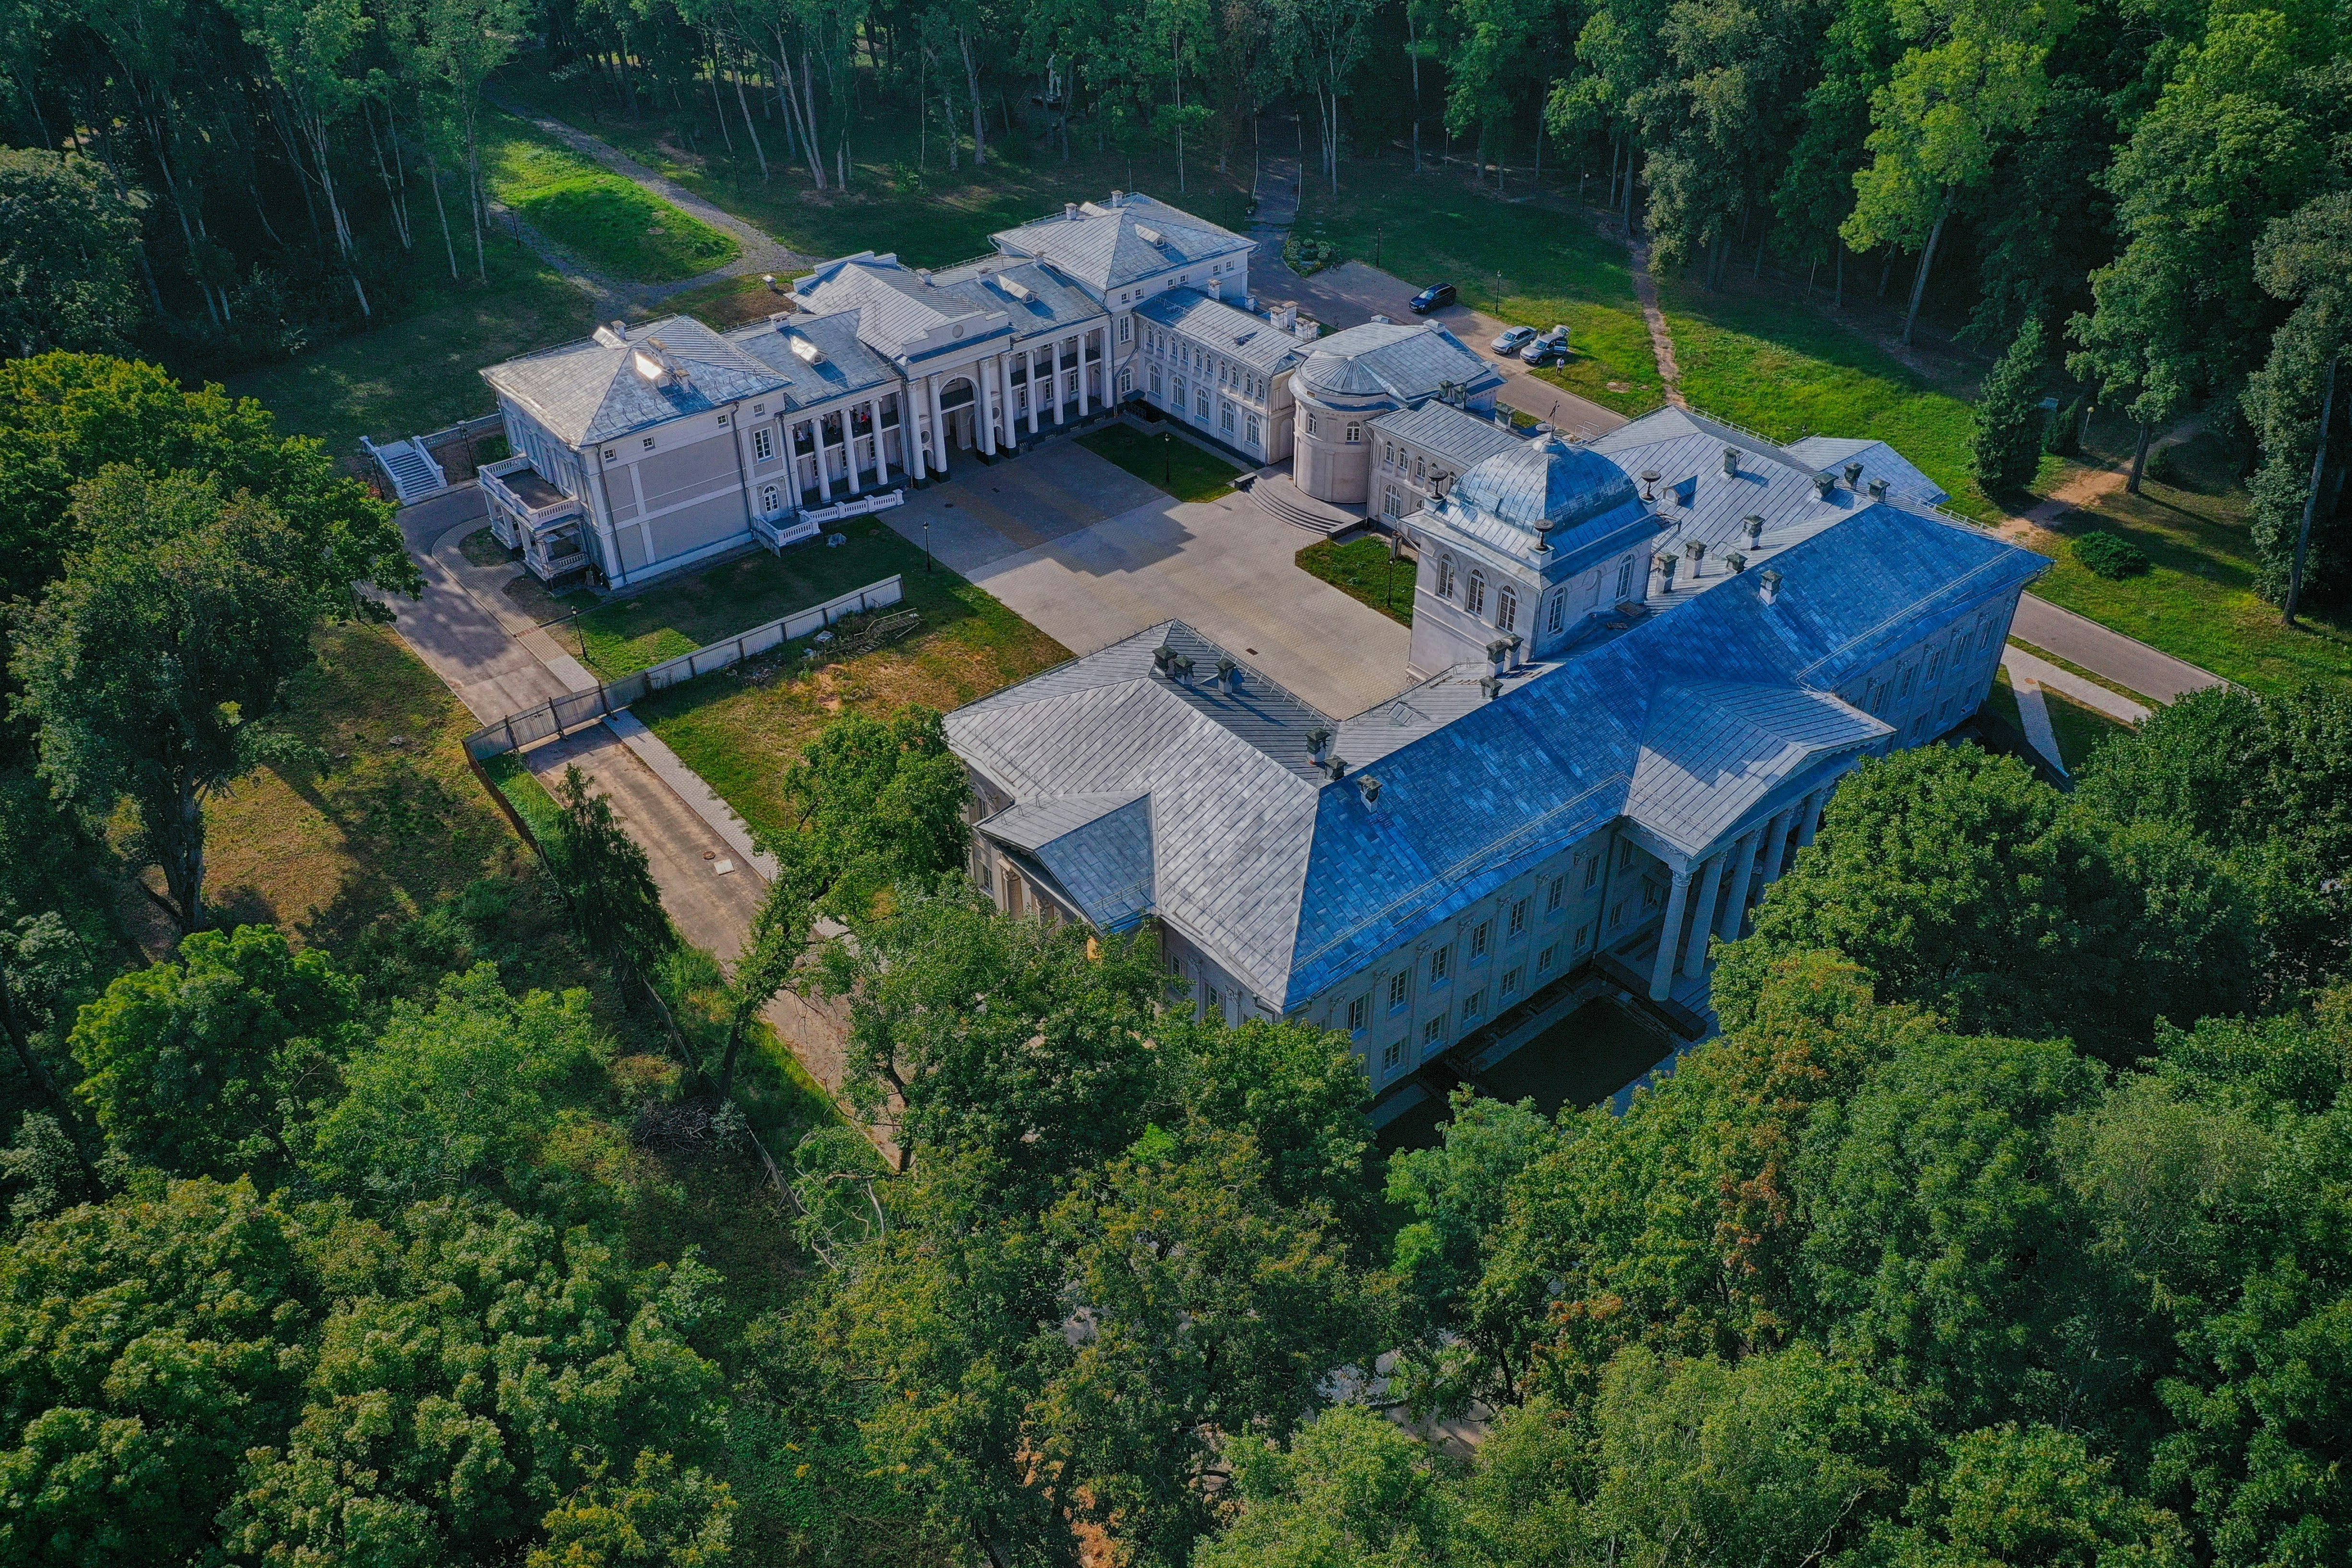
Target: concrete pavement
{"type": "Point", "coordinates": [2025, 667]}
{"type": "Point", "coordinates": [1038, 533]}
{"type": "Point", "coordinates": [2124, 660]}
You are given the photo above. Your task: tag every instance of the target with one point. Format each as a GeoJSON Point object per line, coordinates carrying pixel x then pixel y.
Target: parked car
{"type": "Point", "coordinates": [1513, 339]}
{"type": "Point", "coordinates": [1552, 348]}
{"type": "Point", "coordinates": [1436, 297]}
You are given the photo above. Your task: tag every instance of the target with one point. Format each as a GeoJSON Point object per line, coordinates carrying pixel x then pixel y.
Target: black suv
{"type": "Point", "coordinates": [1436, 297]}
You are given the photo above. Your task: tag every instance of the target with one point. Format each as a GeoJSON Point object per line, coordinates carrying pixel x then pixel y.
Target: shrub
{"type": "Point", "coordinates": [1305, 256]}
{"type": "Point", "coordinates": [2108, 557]}
{"type": "Point", "coordinates": [2163, 465]}
{"type": "Point", "coordinates": [2064, 437]}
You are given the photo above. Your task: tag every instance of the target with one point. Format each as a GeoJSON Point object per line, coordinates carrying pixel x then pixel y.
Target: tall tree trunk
{"type": "Point", "coordinates": [1927, 263]}
{"type": "Point", "coordinates": [433, 173]}
{"type": "Point", "coordinates": [2139, 458]}
{"type": "Point", "coordinates": [980, 114]}
{"type": "Point", "coordinates": [751, 129]}
{"type": "Point", "coordinates": [475, 192]}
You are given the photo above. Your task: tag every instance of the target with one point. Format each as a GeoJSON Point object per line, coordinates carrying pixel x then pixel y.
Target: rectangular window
{"type": "Point", "coordinates": [763, 445]}
{"type": "Point", "coordinates": [1355, 435]}
{"type": "Point", "coordinates": [1510, 986]}
{"type": "Point", "coordinates": [1478, 940]}
{"type": "Point", "coordinates": [1432, 1031]}
{"type": "Point", "coordinates": [1391, 1055]}
{"type": "Point", "coordinates": [1518, 920]}
{"type": "Point", "coordinates": [1582, 933]}
{"type": "Point", "coordinates": [1543, 960]}
{"type": "Point", "coordinates": [1439, 962]}
{"type": "Point", "coordinates": [1617, 914]}
{"type": "Point", "coordinates": [1399, 989]}
{"type": "Point", "coordinates": [1625, 857]}
{"type": "Point", "coordinates": [1474, 1007]}
{"type": "Point", "coordinates": [1252, 430]}
{"type": "Point", "coordinates": [1649, 894]}
{"type": "Point", "coordinates": [1904, 690]}
{"type": "Point", "coordinates": [1591, 872]}
{"type": "Point", "coordinates": [1554, 894]}
{"type": "Point", "coordinates": [1126, 328]}
{"type": "Point", "coordinates": [1358, 1011]}
{"type": "Point", "coordinates": [1225, 418]}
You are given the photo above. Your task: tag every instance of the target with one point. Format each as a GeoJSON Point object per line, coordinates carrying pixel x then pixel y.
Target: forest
{"type": "Point", "coordinates": [2006, 1222]}
{"type": "Point", "coordinates": [2150, 196]}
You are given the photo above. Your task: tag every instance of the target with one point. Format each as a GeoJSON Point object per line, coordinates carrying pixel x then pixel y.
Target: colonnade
{"type": "Point", "coordinates": [850, 468]}
{"type": "Point", "coordinates": [992, 387]}
{"type": "Point", "coordinates": [1754, 859]}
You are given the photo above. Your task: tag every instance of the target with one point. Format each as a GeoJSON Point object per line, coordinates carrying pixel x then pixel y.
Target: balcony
{"type": "Point", "coordinates": [528, 514]}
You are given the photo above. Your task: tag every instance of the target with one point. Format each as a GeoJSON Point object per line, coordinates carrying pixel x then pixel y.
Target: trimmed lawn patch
{"type": "Point", "coordinates": [741, 728]}
{"type": "Point", "coordinates": [685, 612]}
{"type": "Point", "coordinates": [2197, 600]}
{"type": "Point", "coordinates": [424, 373]}
{"type": "Point", "coordinates": [1552, 267]}
{"type": "Point", "coordinates": [1364, 571]}
{"type": "Point", "coordinates": [929, 215]}
{"type": "Point", "coordinates": [612, 223]}
{"type": "Point", "coordinates": [1164, 460]}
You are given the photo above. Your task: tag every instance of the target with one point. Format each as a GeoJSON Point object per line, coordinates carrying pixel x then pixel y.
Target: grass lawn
{"type": "Point", "coordinates": [1528, 264]}
{"type": "Point", "coordinates": [1364, 570]}
{"type": "Point", "coordinates": [902, 196]}
{"type": "Point", "coordinates": [2079, 729]}
{"type": "Point", "coordinates": [609, 221]}
{"type": "Point", "coordinates": [2196, 601]}
{"type": "Point", "coordinates": [1165, 461]}
{"type": "Point", "coordinates": [741, 728]}
{"type": "Point", "coordinates": [685, 612]}
{"type": "Point", "coordinates": [425, 372]}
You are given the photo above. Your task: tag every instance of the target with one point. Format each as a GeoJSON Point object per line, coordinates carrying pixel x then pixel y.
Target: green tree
{"type": "Point", "coordinates": [201, 1066]}
{"type": "Point", "coordinates": [1299, 1093]}
{"type": "Point", "coordinates": [67, 240]}
{"type": "Point", "coordinates": [2008, 418]}
{"type": "Point", "coordinates": [2031, 1494]}
{"type": "Point", "coordinates": [607, 883]}
{"type": "Point", "coordinates": [2305, 259]}
{"type": "Point", "coordinates": [153, 670]}
{"type": "Point", "coordinates": [657, 1514]}
{"type": "Point", "coordinates": [1353, 1490]}
{"type": "Point", "coordinates": [457, 1095]}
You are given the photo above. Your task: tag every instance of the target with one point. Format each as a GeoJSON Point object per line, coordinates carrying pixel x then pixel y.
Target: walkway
{"type": "Point", "coordinates": [759, 252]}
{"type": "Point", "coordinates": [2126, 661]}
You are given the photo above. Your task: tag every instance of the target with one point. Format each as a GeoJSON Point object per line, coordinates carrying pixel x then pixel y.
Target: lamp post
{"type": "Point", "coordinates": [1167, 462]}
{"type": "Point", "coordinates": [926, 544]}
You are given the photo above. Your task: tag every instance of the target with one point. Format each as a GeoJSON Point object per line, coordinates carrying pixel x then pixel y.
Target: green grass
{"type": "Point", "coordinates": [1364, 570]}
{"type": "Point", "coordinates": [609, 221]}
{"type": "Point", "coordinates": [425, 372]}
{"type": "Point", "coordinates": [1553, 267]}
{"type": "Point", "coordinates": [2197, 600]}
{"type": "Point", "coordinates": [1165, 460]}
{"type": "Point", "coordinates": [2079, 729]}
{"type": "Point", "coordinates": [901, 196]}
{"type": "Point", "coordinates": [729, 302]}
{"type": "Point", "coordinates": [685, 612]}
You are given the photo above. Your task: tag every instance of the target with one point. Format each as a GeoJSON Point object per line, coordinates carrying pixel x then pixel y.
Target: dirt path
{"type": "Point", "coordinates": [759, 252]}
{"type": "Point", "coordinates": [1662, 343]}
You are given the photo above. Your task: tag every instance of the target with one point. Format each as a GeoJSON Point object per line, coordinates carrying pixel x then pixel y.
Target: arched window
{"type": "Point", "coordinates": [769, 499]}
{"type": "Point", "coordinates": [1506, 610]}
{"type": "Point", "coordinates": [1475, 601]}
{"type": "Point", "coordinates": [1559, 612]}
{"type": "Point", "coordinates": [1625, 579]}
{"type": "Point", "coordinates": [1445, 576]}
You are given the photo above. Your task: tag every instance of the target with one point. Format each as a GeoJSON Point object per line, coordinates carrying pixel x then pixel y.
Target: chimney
{"type": "Point", "coordinates": [1490, 686]}
{"type": "Point", "coordinates": [1514, 639]}
{"type": "Point", "coordinates": [1853, 475]}
{"type": "Point", "coordinates": [1335, 767]}
{"type": "Point", "coordinates": [1119, 198]}
{"type": "Point", "coordinates": [1304, 330]}
{"type": "Point", "coordinates": [1770, 589]}
{"type": "Point", "coordinates": [1731, 462]}
{"type": "Point", "coordinates": [1663, 571]}
{"type": "Point", "coordinates": [1497, 652]}
{"type": "Point", "coordinates": [1163, 658]}
{"type": "Point", "coordinates": [1216, 287]}
{"type": "Point", "coordinates": [1371, 788]}
{"type": "Point", "coordinates": [1696, 550]}
{"type": "Point", "coordinates": [1735, 563]}
{"type": "Point", "coordinates": [1753, 527]}
{"type": "Point", "coordinates": [1878, 489]}
{"type": "Point", "coordinates": [1286, 318]}
{"type": "Point", "coordinates": [1228, 673]}
{"type": "Point", "coordinates": [1070, 212]}
{"type": "Point", "coordinates": [1318, 741]}
{"type": "Point", "coordinates": [1823, 484]}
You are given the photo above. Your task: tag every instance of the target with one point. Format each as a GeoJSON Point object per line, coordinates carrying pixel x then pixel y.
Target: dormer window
{"type": "Point", "coordinates": [650, 442]}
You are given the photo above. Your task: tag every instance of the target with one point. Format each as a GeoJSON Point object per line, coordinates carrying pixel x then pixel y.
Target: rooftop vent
{"type": "Point", "coordinates": [1371, 788]}
{"type": "Point", "coordinates": [1318, 741]}
{"type": "Point", "coordinates": [1499, 650]}
{"type": "Point", "coordinates": [1823, 484]}
{"type": "Point", "coordinates": [1337, 767]}
{"type": "Point", "coordinates": [1216, 287]}
{"type": "Point", "coordinates": [1753, 527]}
{"type": "Point", "coordinates": [1736, 563]}
{"type": "Point", "coordinates": [1878, 489]}
{"type": "Point", "coordinates": [1853, 475]}
{"type": "Point", "coordinates": [1070, 211]}
{"type": "Point", "coordinates": [1118, 198]}
{"type": "Point", "coordinates": [1228, 672]}
{"type": "Point", "coordinates": [614, 336]}
{"type": "Point", "coordinates": [1663, 563]}
{"type": "Point", "coordinates": [1015, 288]}
{"type": "Point", "coordinates": [1150, 235]}
{"type": "Point", "coordinates": [1731, 461]}
{"type": "Point", "coordinates": [652, 362]}
{"type": "Point", "coordinates": [1696, 550]}
{"type": "Point", "coordinates": [1490, 686]}
{"type": "Point", "coordinates": [1383, 321]}
{"type": "Point", "coordinates": [1768, 583]}
{"type": "Point", "coordinates": [1162, 656]}
{"type": "Point", "coordinates": [1686, 491]}
{"type": "Point", "coordinates": [807, 351]}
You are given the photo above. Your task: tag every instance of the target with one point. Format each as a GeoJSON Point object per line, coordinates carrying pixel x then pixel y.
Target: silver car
{"type": "Point", "coordinates": [1552, 348]}
{"type": "Point", "coordinates": [1513, 339]}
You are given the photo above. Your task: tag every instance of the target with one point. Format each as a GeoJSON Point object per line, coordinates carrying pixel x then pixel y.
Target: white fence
{"type": "Point", "coordinates": [795, 526]}
{"type": "Point", "coordinates": [578, 708]}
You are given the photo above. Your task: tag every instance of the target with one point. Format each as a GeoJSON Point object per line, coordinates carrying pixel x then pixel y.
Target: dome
{"type": "Point", "coordinates": [1544, 486]}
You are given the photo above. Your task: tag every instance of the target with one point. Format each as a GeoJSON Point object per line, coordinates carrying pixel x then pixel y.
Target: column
{"type": "Point", "coordinates": [983, 379]}
{"type": "Point", "coordinates": [936, 449]}
{"type": "Point", "coordinates": [1662, 972]}
{"type": "Point", "coordinates": [1056, 354]}
{"type": "Point", "coordinates": [1742, 856]}
{"type": "Point", "coordinates": [1037, 395]}
{"type": "Point", "coordinates": [823, 479]}
{"type": "Point", "coordinates": [1703, 918]}
{"type": "Point", "coordinates": [1776, 844]}
{"type": "Point", "coordinates": [792, 440]}
{"type": "Point", "coordinates": [1815, 803]}
{"type": "Point", "coordinates": [874, 423]}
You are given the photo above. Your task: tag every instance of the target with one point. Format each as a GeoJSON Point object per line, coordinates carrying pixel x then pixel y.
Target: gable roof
{"type": "Point", "coordinates": [598, 388]}
{"type": "Point", "coordinates": [1104, 245]}
{"type": "Point", "coordinates": [846, 365]}
{"type": "Point", "coordinates": [1460, 438]}
{"type": "Point", "coordinates": [1687, 724]}
{"type": "Point", "coordinates": [1253, 341]}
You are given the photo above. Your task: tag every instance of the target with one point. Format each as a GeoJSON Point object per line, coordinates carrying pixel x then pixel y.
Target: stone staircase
{"type": "Point", "coordinates": [1284, 502]}
{"type": "Point", "coordinates": [413, 474]}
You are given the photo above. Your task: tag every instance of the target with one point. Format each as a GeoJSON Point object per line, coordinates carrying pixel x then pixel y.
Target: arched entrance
{"type": "Point", "coordinates": [957, 400]}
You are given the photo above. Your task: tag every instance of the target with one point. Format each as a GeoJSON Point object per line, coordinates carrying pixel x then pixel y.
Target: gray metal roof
{"type": "Point", "coordinates": [1878, 460]}
{"type": "Point", "coordinates": [1712, 751]}
{"type": "Point", "coordinates": [1253, 341]}
{"type": "Point", "coordinates": [1460, 438]}
{"type": "Point", "coordinates": [902, 315]}
{"type": "Point", "coordinates": [848, 366]}
{"type": "Point", "coordinates": [1102, 246]}
{"type": "Point", "coordinates": [596, 389]}
{"type": "Point", "coordinates": [1393, 359]}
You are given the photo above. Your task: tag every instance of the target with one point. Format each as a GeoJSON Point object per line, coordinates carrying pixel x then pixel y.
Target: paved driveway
{"type": "Point", "coordinates": [1088, 554]}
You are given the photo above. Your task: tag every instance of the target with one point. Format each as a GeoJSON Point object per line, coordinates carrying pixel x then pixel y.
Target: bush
{"type": "Point", "coordinates": [2065, 437]}
{"type": "Point", "coordinates": [2108, 557]}
{"type": "Point", "coordinates": [2163, 466]}
{"type": "Point", "coordinates": [1304, 256]}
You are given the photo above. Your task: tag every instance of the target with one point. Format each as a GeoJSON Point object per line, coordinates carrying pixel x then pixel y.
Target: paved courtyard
{"type": "Point", "coordinates": [1088, 554]}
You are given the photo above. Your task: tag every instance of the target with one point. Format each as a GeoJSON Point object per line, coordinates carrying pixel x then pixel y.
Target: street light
{"type": "Point", "coordinates": [926, 544]}
{"type": "Point", "coordinates": [1167, 462]}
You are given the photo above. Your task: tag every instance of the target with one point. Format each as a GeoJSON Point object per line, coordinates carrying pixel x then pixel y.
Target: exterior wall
{"type": "Point", "coordinates": [681, 496]}
{"type": "Point", "coordinates": [1940, 678]}
{"type": "Point", "coordinates": [1325, 463]}
{"type": "Point", "coordinates": [1234, 403]}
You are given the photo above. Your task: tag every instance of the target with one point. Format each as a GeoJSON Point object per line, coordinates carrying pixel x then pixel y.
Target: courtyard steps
{"type": "Point", "coordinates": [1284, 502]}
